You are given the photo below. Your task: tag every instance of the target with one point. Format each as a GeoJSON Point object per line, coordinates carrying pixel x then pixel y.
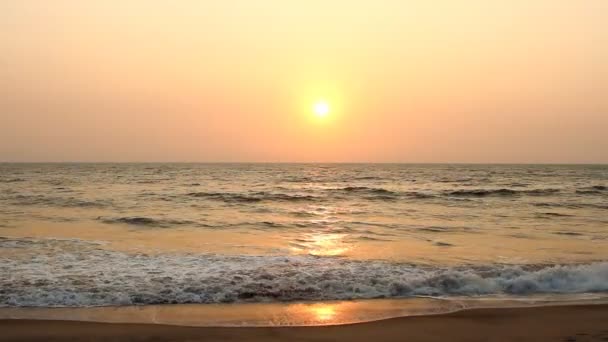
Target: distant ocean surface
{"type": "Point", "coordinates": [124, 234]}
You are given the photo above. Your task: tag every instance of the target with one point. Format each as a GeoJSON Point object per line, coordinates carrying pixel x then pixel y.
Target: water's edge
{"type": "Point", "coordinates": [287, 314]}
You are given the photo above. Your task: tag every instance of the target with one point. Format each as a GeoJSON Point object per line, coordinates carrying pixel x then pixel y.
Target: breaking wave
{"type": "Point", "coordinates": [84, 277]}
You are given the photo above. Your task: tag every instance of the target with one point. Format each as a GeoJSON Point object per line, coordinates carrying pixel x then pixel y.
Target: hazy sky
{"type": "Point", "coordinates": [406, 81]}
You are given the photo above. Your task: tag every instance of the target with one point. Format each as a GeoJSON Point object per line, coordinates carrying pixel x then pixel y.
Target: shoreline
{"type": "Point", "coordinates": [289, 314]}
{"type": "Point", "coordinates": [587, 322]}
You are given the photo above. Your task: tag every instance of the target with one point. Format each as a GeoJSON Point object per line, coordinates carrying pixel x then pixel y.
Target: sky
{"type": "Point", "coordinates": [470, 81]}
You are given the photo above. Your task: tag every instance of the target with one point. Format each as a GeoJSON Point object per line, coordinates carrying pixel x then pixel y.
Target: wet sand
{"type": "Point", "coordinates": [559, 323]}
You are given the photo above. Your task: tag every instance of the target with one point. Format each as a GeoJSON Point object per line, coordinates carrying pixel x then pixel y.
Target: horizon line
{"type": "Point", "coordinates": [305, 162]}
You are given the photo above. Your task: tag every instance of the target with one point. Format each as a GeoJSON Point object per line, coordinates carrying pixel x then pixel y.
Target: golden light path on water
{"type": "Point", "coordinates": [321, 244]}
{"type": "Point", "coordinates": [326, 241]}
{"type": "Point", "coordinates": [284, 314]}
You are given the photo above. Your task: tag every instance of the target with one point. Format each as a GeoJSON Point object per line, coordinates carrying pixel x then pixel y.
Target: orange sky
{"type": "Point", "coordinates": [407, 81]}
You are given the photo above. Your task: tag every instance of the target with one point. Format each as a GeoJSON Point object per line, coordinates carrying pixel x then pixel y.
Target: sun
{"type": "Point", "coordinates": [321, 109]}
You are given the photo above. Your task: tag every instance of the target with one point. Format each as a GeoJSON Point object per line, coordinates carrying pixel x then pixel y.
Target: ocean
{"type": "Point", "coordinates": [79, 235]}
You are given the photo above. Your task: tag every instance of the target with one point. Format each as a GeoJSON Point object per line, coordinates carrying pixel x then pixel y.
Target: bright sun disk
{"type": "Point", "coordinates": [321, 108]}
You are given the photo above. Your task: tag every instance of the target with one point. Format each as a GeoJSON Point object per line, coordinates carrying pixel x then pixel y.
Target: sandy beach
{"type": "Point", "coordinates": [561, 323]}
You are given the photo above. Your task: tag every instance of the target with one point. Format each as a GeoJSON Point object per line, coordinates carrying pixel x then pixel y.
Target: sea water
{"type": "Point", "coordinates": [77, 235]}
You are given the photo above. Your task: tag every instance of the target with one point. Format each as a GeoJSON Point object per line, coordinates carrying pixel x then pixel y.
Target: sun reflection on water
{"type": "Point", "coordinates": [322, 313]}
{"type": "Point", "coordinates": [328, 241]}
{"type": "Point", "coordinates": [321, 244]}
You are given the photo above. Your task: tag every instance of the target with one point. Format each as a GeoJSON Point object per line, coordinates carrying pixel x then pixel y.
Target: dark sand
{"type": "Point", "coordinates": [562, 323]}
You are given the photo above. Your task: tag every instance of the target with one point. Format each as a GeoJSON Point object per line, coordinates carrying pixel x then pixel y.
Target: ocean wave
{"type": "Point", "coordinates": [368, 178]}
{"type": "Point", "coordinates": [592, 190]}
{"type": "Point", "coordinates": [380, 193]}
{"type": "Point", "coordinates": [556, 214]}
{"type": "Point", "coordinates": [444, 229]}
{"type": "Point", "coordinates": [80, 276]}
{"type": "Point", "coordinates": [146, 221]}
{"type": "Point", "coordinates": [501, 192]}
{"type": "Point", "coordinates": [250, 197]}
{"type": "Point", "coordinates": [569, 233]}
{"type": "Point", "coordinates": [457, 180]}
{"type": "Point", "coordinates": [225, 197]}
{"type": "Point", "coordinates": [366, 190]}
{"type": "Point", "coordinates": [369, 193]}
{"type": "Point", "coordinates": [418, 195]}
{"type": "Point", "coordinates": [257, 225]}
{"type": "Point", "coordinates": [570, 205]}
{"type": "Point", "coordinates": [56, 201]}
{"type": "Point", "coordinates": [11, 180]}
{"type": "Point", "coordinates": [296, 179]}
{"type": "Point", "coordinates": [371, 238]}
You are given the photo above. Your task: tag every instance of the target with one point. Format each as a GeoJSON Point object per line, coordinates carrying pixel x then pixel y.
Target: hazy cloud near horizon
{"type": "Point", "coordinates": [407, 81]}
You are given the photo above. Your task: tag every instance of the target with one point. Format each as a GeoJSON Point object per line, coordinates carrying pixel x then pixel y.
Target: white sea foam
{"type": "Point", "coordinates": [73, 273]}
